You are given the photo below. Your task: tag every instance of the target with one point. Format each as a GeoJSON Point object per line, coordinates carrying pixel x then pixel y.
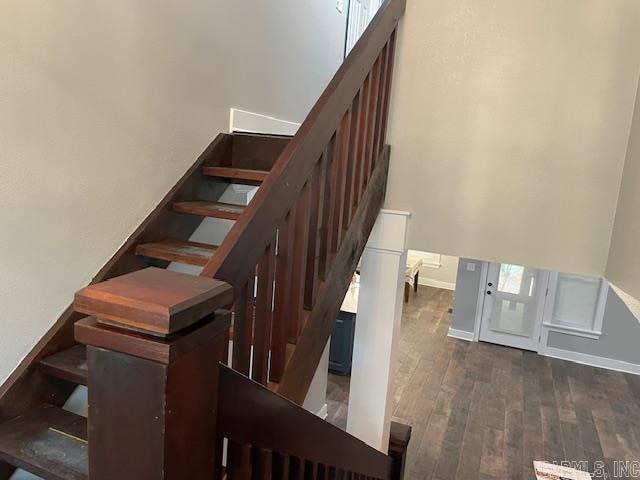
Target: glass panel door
{"type": "Point", "coordinates": [513, 304]}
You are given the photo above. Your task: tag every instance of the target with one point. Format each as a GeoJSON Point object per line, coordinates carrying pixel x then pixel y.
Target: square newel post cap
{"type": "Point", "coordinates": [154, 300]}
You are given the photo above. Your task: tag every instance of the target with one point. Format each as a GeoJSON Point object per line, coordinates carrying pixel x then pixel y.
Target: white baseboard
{"type": "Point", "coordinates": [592, 360]}
{"type": "Point", "coordinates": [323, 413]}
{"type": "Point", "coordinates": [430, 282]}
{"type": "Point", "coordinates": [460, 334]}
{"type": "Point", "coordinates": [250, 122]}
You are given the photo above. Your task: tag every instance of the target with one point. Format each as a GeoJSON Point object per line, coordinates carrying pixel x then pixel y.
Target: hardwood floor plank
{"type": "Point", "coordinates": [471, 448]}
{"type": "Point", "coordinates": [486, 412]}
{"type": "Point", "coordinates": [492, 462]}
{"type": "Point", "coordinates": [513, 444]}
{"type": "Point", "coordinates": [447, 465]}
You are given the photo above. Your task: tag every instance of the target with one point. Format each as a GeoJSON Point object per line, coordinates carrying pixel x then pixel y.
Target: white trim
{"type": "Point", "coordinates": [598, 318]}
{"type": "Point", "coordinates": [460, 334]}
{"type": "Point", "coordinates": [323, 413]}
{"type": "Point", "coordinates": [579, 332]}
{"type": "Point", "coordinates": [250, 122]}
{"type": "Point", "coordinates": [430, 282]}
{"type": "Point", "coordinates": [525, 342]}
{"type": "Point", "coordinates": [390, 211]}
{"type": "Point", "coordinates": [592, 360]}
{"type": "Point", "coordinates": [484, 272]}
{"type": "Point", "coordinates": [391, 251]}
{"type": "Point", "coordinates": [433, 266]}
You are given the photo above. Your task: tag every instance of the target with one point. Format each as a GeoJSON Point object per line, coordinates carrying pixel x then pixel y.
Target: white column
{"type": "Point", "coordinates": [377, 329]}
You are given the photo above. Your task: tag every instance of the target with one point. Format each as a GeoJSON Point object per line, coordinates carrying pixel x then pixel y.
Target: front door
{"type": "Point", "coordinates": [513, 304]}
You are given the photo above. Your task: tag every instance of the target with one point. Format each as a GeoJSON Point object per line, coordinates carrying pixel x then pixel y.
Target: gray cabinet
{"type": "Point", "coordinates": [341, 349]}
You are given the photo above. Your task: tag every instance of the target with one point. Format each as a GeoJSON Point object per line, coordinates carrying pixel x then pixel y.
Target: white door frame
{"type": "Point", "coordinates": [542, 287]}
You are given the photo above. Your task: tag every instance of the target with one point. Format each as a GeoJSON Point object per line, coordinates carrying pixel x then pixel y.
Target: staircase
{"type": "Point", "coordinates": [152, 345]}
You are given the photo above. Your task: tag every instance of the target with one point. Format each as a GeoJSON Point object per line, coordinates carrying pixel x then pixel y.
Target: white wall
{"type": "Point", "coordinates": [623, 268]}
{"type": "Point", "coordinates": [443, 276]}
{"type": "Point", "coordinates": [316, 399]}
{"type": "Point", "coordinates": [509, 126]}
{"type": "Point", "coordinates": [103, 106]}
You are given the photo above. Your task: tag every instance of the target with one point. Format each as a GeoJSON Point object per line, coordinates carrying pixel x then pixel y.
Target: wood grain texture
{"type": "Point", "coordinates": [69, 364]}
{"type": "Point", "coordinates": [27, 386]}
{"type": "Point", "coordinates": [256, 151]}
{"type": "Point", "coordinates": [510, 414]}
{"type": "Point", "coordinates": [182, 251]}
{"type": "Point", "coordinates": [165, 412]}
{"type": "Point", "coordinates": [241, 250]}
{"type": "Point", "coordinates": [227, 211]}
{"type": "Point", "coordinates": [48, 442]}
{"type": "Point", "coordinates": [154, 300]}
{"type": "Point", "coordinates": [234, 173]}
{"type": "Point", "coordinates": [252, 414]}
{"type": "Point", "coordinates": [314, 337]}
{"type": "Point", "coordinates": [161, 350]}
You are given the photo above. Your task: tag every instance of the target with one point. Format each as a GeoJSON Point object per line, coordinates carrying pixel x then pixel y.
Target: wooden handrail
{"type": "Point", "coordinates": [291, 253]}
{"type": "Point", "coordinates": [249, 414]}
{"type": "Point", "coordinates": [242, 248]}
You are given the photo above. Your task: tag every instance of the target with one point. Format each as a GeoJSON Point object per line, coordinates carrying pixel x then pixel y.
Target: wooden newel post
{"type": "Point", "coordinates": [399, 437]}
{"type": "Point", "coordinates": [154, 345]}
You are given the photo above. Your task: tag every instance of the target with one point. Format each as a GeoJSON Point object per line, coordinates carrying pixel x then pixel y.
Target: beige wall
{"type": "Point", "coordinates": [442, 277]}
{"type": "Point", "coordinates": [103, 105]}
{"type": "Point", "coordinates": [509, 127]}
{"type": "Point", "coordinates": [623, 268]}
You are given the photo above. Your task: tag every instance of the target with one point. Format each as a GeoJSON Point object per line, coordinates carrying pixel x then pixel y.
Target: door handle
{"type": "Point", "coordinates": [488, 292]}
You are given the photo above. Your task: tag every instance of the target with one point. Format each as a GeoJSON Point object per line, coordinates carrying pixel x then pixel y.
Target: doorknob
{"type": "Point", "coordinates": [490, 284]}
{"type": "Point", "coordinates": [488, 292]}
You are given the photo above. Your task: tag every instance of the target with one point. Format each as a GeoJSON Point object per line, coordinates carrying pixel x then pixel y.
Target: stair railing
{"type": "Point", "coordinates": [273, 438]}
{"type": "Point", "coordinates": [292, 252]}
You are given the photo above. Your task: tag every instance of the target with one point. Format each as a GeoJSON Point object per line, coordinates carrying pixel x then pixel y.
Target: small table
{"type": "Point", "coordinates": [411, 276]}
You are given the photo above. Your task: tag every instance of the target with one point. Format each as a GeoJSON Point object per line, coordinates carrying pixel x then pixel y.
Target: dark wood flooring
{"type": "Point", "coordinates": [482, 411]}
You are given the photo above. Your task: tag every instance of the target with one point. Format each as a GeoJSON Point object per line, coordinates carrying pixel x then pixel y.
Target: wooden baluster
{"type": "Point", "coordinates": [315, 223]}
{"type": "Point", "coordinates": [288, 309]}
{"type": "Point", "coordinates": [338, 180]}
{"type": "Point", "coordinates": [281, 301]}
{"type": "Point", "coordinates": [351, 161]}
{"type": "Point", "coordinates": [371, 123]}
{"type": "Point", "coordinates": [239, 465]}
{"type": "Point", "coordinates": [281, 466]}
{"type": "Point", "coordinates": [378, 143]}
{"type": "Point", "coordinates": [322, 472]}
{"type": "Point", "coordinates": [299, 255]}
{"type": "Point", "coordinates": [296, 468]}
{"type": "Point", "coordinates": [326, 198]}
{"type": "Point", "coordinates": [262, 464]}
{"type": "Point", "coordinates": [358, 158]}
{"type": "Point", "coordinates": [310, 470]}
{"type": "Point", "coordinates": [263, 317]}
{"type": "Point", "coordinates": [242, 327]}
{"type": "Point", "coordinates": [387, 93]}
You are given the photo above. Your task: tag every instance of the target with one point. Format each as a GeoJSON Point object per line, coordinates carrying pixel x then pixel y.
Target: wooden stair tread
{"type": "Point", "coordinates": [69, 364]}
{"type": "Point", "coordinates": [209, 209]}
{"type": "Point", "coordinates": [47, 441]}
{"type": "Point", "coordinates": [172, 250]}
{"type": "Point", "coordinates": [236, 173]}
